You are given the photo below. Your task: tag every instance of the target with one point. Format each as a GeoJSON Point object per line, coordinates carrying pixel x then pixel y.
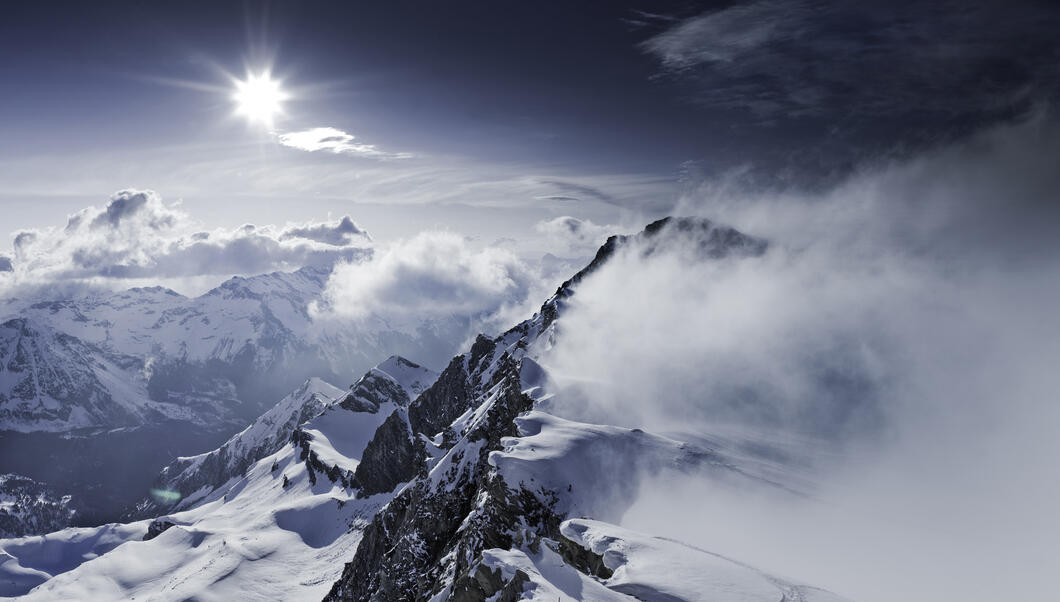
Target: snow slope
{"type": "Point", "coordinates": [187, 479]}
{"type": "Point", "coordinates": [653, 568]}
{"type": "Point", "coordinates": [286, 525]}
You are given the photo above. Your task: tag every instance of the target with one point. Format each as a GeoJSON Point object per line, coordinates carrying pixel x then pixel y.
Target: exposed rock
{"type": "Point", "coordinates": [29, 507]}
{"type": "Point", "coordinates": [372, 391]}
{"type": "Point", "coordinates": [435, 530]}
{"type": "Point", "coordinates": [156, 528]}
{"type": "Point", "coordinates": [393, 456]}
{"type": "Point", "coordinates": [449, 397]}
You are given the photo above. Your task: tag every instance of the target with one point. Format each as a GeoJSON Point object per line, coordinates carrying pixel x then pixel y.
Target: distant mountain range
{"type": "Point", "coordinates": [146, 355]}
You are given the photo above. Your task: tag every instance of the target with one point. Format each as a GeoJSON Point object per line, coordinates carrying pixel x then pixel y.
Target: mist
{"type": "Point", "coordinates": [903, 322]}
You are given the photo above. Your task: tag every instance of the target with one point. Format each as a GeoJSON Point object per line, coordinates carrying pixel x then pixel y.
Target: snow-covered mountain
{"type": "Point", "coordinates": [149, 354]}
{"type": "Point", "coordinates": [474, 486]}
{"type": "Point", "coordinates": [285, 523]}
{"type": "Point", "coordinates": [189, 479]}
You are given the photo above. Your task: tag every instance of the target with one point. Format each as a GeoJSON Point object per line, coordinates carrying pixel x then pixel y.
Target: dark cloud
{"type": "Point", "coordinates": [338, 234]}
{"type": "Point", "coordinates": [5, 264]}
{"type": "Point", "coordinates": [24, 239]}
{"type": "Point", "coordinates": [576, 191]}
{"type": "Point", "coordinates": [822, 85]}
{"type": "Point", "coordinates": [128, 203]}
{"type": "Point", "coordinates": [947, 59]}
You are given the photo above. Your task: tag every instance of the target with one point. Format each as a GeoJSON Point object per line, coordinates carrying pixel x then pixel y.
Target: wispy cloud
{"type": "Point", "coordinates": [845, 60]}
{"type": "Point", "coordinates": [334, 140]}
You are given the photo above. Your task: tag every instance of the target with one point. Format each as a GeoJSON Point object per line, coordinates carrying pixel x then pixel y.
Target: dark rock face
{"type": "Point", "coordinates": [31, 507]}
{"type": "Point", "coordinates": [431, 531]}
{"type": "Point", "coordinates": [449, 397]}
{"type": "Point", "coordinates": [372, 391]}
{"type": "Point", "coordinates": [156, 528]}
{"type": "Point", "coordinates": [393, 456]}
{"type": "Point", "coordinates": [485, 583]}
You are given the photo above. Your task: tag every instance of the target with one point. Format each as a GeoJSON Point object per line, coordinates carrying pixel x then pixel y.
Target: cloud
{"type": "Point", "coordinates": [903, 323]}
{"type": "Point", "coordinates": [805, 92]}
{"type": "Point", "coordinates": [126, 204]}
{"type": "Point", "coordinates": [433, 274]}
{"type": "Point", "coordinates": [5, 264]}
{"type": "Point", "coordinates": [138, 236]}
{"type": "Point", "coordinates": [336, 141]}
{"type": "Point", "coordinates": [340, 234]}
{"type": "Point", "coordinates": [949, 59]}
{"type": "Point", "coordinates": [576, 191]}
{"type": "Point", "coordinates": [576, 234]}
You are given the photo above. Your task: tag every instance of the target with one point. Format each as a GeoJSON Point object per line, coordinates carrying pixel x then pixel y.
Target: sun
{"type": "Point", "coordinates": [259, 98]}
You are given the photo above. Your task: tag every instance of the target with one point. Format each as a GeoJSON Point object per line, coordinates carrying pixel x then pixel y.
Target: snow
{"type": "Point", "coordinates": [247, 540]}
{"type": "Point", "coordinates": [340, 436]}
{"type": "Point", "coordinates": [28, 561]}
{"type": "Point", "coordinates": [411, 377]}
{"type": "Point", "coordinates": [551, 579]}
{"type": "Point", "coordinates": [116, 341]}
{"type": "Point", "coordinates": [254, 540]}
{"type": "Point", "coordinates": [653, 568]}
{"type": "Point", "coordinates": [596, 467]}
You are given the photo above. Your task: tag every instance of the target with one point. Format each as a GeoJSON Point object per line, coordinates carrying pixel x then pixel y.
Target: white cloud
{"type": "Point", "coordinates": [137, 236]}
{"type": "Point", "coordinates": [336, 141]}
{"type": "Point", "coordinates": [433, 274]}
{"type": "Point", "coordinates": [907, 318]}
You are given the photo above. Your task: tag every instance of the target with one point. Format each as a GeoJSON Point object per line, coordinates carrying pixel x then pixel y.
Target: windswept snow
{"type": "Point", "coordinates": [653, 568]}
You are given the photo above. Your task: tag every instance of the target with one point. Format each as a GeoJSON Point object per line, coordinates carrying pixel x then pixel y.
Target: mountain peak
{"type": "Point", "coordinates": [410, 376]}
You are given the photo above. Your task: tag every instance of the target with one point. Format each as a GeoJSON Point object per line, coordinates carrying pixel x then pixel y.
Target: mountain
{"type": "Point", "coordinates": [147, 354]}
{"type": "Point", "coordinates": [85, 378]}
{"type": "Point", "coordinates": [283, 524]}
{"type": "Point", "coordinates": [478, 487]}
{"type": "Point", "coordinates": [189, 479]}
{"type": "Point", "coordinates": [28, 507]}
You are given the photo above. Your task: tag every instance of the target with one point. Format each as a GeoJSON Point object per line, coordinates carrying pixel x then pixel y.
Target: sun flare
{"type": "Point", "coordinates": [259, 98]}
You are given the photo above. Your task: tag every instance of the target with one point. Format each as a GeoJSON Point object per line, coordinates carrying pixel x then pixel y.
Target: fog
{"type": "Point", "coordinates": [905, 322]}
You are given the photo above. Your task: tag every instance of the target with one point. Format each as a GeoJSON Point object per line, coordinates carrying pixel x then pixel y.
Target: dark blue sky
{"type": "Point", "coordinates": [617, 104]}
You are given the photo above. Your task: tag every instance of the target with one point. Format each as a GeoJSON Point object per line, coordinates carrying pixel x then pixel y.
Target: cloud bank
{"type": "Point", "coordinates": [905, 321]}
{"type": "Point", "coordinates": [137, 236]}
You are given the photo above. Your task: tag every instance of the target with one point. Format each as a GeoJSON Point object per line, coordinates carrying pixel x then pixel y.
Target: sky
{"type": "Point", "coordinates": [496, 121]}
{"type": "Point", "coordinates": [901, 158]}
